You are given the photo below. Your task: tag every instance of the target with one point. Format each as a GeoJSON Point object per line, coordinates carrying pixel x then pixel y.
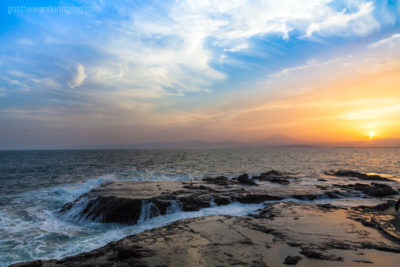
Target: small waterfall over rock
{"type": "Point", "coordinates": [212, 203]}
{"type": "Point", "coordinates": [174, 207]}
{"type": "Point", "coordinates": [80, 212]}
{"type": "Point", "coordinates": [148, 211]}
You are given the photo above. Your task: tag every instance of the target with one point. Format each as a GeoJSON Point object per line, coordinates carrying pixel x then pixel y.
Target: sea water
{"type": "Point", "coordinates": [35, 184]}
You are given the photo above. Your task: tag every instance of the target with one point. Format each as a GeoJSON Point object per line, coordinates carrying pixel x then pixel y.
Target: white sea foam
{"type": "Point", "coordinates": [212, 203]}
{"type": "Point", "coordinates": [148, 211]}
{"type": "Point", "coordinates": [175, 207]}
{"type": "Point", "coordinates": [85, 237]}
{"type": "Point", "coordinates": [76, 214]}
{"type": "Point", "coordinates": [35, 231]}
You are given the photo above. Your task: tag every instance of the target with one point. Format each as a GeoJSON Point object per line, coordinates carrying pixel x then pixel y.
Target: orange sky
{"type": "Point", "coordinates": [348, 107]}
{"type": "Point", "coordinates": [342, 110]}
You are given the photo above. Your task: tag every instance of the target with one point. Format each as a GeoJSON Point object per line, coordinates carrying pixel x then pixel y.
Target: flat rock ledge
{"type": "Point", "coordinates": [133, 201]}
{"type": "Point", "coordinates": [281, 233]}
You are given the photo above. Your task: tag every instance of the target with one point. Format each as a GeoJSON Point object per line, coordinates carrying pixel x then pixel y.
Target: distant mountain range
{"type": "Point", "coordinates": [272, 141]}
{"type": "Point", "coordinates": [277, 140]}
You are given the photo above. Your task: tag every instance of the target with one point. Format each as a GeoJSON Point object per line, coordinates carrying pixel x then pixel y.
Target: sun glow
{"type": "Point", "coordinates": [371, 135]}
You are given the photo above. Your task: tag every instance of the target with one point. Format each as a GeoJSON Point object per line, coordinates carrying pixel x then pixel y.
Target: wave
{"type": "Point", "coordinates": [89, 236]}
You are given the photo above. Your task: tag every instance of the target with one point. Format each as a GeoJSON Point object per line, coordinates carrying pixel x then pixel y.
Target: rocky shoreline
{"type": "Point", "coordinates": [283, 232]}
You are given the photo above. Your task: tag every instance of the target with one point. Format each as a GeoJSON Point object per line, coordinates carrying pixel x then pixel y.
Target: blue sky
{"type": "Point", "coordinates": [136, 70]}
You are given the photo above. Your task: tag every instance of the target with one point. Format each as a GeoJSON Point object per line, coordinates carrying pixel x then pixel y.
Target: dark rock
{"type": "Point", "coordinates": [273, 176]}
{"type": "Point", "coordinates": [380, 190]}
{"type": "Point", "coordinates": [379, 207]}
{"type": "Point", "coordinates": [327, 206]}
{"type": "Point", "coordinates": [257, 198]}
{"type": "Point", "coordinates": [258, 264]}
{"type": "Point", "coordinates": [331, 194]}
{"type": "Point", "coordinates": [220, 180]}
{"type": "Point", "coordinates": [37, 263]}
{"type": "Point", "coordinates": [309, 253]}
{"type": "Point", "coordinates": [272, 173]}
{"type": "Point", "coordinates": [292, 260]}
{"type": "Point", "coordinates": [363, 261]}
{"type": "Point", "coordinates": [305, 197]}
{"type": "Point", "coordinates": [359, 175]}
{"type": "Point", "coordinates": [293, 244]}
{"type": "Point", "coordinates": [334, 194]}
{"type": "Point", "coordinates": [381, 248]}
{"type": "Point", "coordinates": [244, 179]}
{"type": "Point", "coordinates": [368, 223]}
{"type": "Point", "coordinates": [373, 190]}
{"type": "Point", "coordinates": [222, 200]}
{"type": "Point", "coordinates": [279, 181]}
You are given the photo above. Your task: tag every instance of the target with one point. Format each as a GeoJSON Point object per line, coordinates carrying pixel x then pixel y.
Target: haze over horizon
{"type": "Point", "coordinates": [132, 72]}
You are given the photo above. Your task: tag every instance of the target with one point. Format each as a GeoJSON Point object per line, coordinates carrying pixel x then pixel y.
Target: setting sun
{"type": "Point", "coordinates": [371, 135]}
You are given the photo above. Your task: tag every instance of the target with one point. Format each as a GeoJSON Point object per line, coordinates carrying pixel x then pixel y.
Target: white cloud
{"type": "Point", "coordinates": [238, 48]}
{"type": "Point", "coordinates": [46, 82]}
{"type": "Point", "coordinates": [378, 56]}
{"type": "Point", "coordinates": [311, 66]}
{"type": "Point", "coordinates": [14, 82]}
{"type": "Point", "coordinates": [172, 54]}
{"type": "Point", "coordinates": [79, 77]}
{"type": "Point", "coordinates": [392, 41]}
{"type": "Point", "coordinates": [343, 23]}
{"type": "Point", "coordinates": [373, 113]}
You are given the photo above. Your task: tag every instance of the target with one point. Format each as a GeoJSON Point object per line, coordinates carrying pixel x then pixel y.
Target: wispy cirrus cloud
{"type": "Point", "coordinates": [390, 42]}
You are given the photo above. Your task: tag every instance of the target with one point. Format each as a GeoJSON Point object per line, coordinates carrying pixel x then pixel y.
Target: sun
{"type": "Point", "coordinates": [371, 135]}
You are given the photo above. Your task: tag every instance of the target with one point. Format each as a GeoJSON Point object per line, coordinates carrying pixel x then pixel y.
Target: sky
{"type": "Point", "coordinates": [94, 73]}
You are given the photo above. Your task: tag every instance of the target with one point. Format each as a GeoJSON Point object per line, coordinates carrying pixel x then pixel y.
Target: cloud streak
{"type": "Point", "coordinates": [79, 77]}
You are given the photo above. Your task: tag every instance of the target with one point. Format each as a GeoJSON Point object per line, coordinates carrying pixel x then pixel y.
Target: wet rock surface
{"type": "Point", "coordinates": [283, 232]}
{"type": "Point", "coordinates": [132, 201]}
{"type": "Point", "coordinates": [372, 190]}
{"type": "Point", "coordinates": [274, 176]}
{"type": "Point", "coordinates": [272, 237]}
{"type": "Point", "coordinates": [126, 202]}
{"type": "Point", "coordinates": [379, 217]}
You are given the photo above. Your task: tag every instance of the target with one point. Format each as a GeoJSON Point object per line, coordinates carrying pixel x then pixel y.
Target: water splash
{"type": "Point", "coordinates": [148, 211]}
{"type": "Point", "coordinates": [174, 207]}
{"type": "Point", "coordinates": [212, 203]}
{"type": "Point", "coordinates": [78, 213]}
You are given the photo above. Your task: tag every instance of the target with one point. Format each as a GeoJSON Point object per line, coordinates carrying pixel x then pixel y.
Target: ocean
{"type": "Point", "coordinates": [35, 184]}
